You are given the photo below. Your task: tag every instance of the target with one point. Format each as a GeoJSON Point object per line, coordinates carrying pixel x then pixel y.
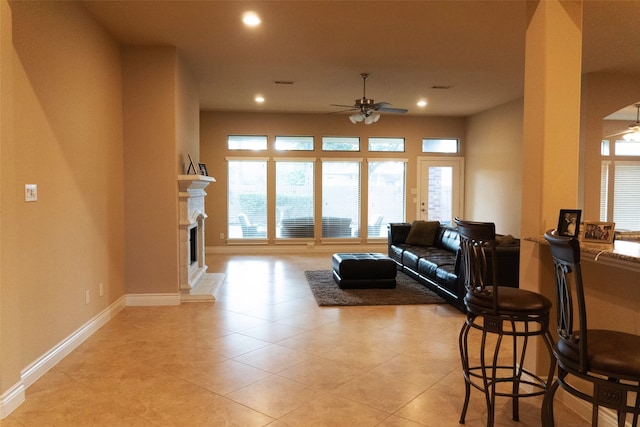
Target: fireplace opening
{"type": "Point", "coordinates": [193, 245]}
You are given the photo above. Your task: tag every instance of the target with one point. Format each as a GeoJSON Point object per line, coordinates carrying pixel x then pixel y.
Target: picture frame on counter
{"type": "Point", "coordinates": [569, 222]}
{"type": "Point", "coordinates": [598, 231]}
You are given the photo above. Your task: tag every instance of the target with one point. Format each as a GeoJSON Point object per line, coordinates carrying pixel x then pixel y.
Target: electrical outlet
{"type": "Point", "coordinates": [101, 289]}
{"type": "Point", "coordinates": [87, 296]}
{"type": "Point", "coordinates": [30, 192]}
{"type": "Point", "coordinates": [221, 236]}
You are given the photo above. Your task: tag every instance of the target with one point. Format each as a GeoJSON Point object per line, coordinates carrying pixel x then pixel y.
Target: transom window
{"type": "Point", "coordinates": [386, 144]}
{"type": "Point", "coordinates": [294, 143]}
{"type": "Point", "coordinates": [445, 146]}
{"type": "Point", "coordinates": [247, 142]}
{"type": "Point", "coordinates": [340, 143]}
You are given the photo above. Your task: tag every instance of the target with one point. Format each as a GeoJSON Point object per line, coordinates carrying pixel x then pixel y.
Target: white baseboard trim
{"type": "Point", "coordinates": [144, 300]}
{"type": "Point", "coordinates": [11, 399]}
{"type": "Point", "coordinates": [15, 395]}
{"type": "Point", "coordinates": [47, 361]}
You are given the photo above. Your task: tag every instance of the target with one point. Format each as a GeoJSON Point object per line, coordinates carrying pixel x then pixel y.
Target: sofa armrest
{"type": "Point", "coordinates": [397, 232]}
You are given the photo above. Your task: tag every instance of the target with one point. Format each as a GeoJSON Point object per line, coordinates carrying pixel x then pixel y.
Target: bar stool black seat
{"type": "Point", "coordinates": [498, 312]}
{"type": "Point", "coordinates": [608, 361]}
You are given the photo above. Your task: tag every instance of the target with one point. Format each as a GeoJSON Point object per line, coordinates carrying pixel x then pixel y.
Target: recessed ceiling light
{"type": "Point", "coordinates": [421, 103]}
{"type": "Point", "coordinates": [259, 99]}
{"type": "Point", "coordinates": [251, 19]}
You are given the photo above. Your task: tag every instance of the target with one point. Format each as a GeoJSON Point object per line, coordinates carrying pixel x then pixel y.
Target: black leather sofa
{"type": "Point", "coordinates": [438, 265]}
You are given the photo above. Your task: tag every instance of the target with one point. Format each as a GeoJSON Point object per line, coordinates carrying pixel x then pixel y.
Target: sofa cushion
{"type": "Point", "coordinates": [422, 233]}
{"type": "Point", "coordinates": [448, 239]}
{"type": "Point", "coordinates": [507, 240]}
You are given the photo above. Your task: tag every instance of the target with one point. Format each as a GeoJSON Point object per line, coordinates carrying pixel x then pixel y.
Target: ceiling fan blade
{"type": "Point", "coordinates": [392, 110]}
{"type": "Point", "coordinates": [385, 107]}
{"type": "Point", "coordinates": [343, 111]}
{"type": "Point", "coordinates": [619, 133]}
{"type": "Point", "coordinates": [345, 106]}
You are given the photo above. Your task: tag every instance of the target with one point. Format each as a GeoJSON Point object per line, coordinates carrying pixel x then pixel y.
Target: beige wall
{"type": "Point", "coordinates": [80, 117]}
{"type": "Point", "coordinates": [216, 126]}
{"type": "Point", "coordinates": [151, 88]}
{"type": "Point", "coordinates": [62, 130]}
{"type": "Point", "coordinates": [187, 118]}
{"type": "Point", "coordinates": [493, 163]}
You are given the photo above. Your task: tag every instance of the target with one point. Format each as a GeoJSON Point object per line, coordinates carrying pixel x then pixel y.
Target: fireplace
{"type": "Point", "coordinates": [191, 228]}
{"type": "Point", "coordinates": [193, 245]}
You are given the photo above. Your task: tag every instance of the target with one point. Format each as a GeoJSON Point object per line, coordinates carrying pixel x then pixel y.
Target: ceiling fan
{"type": "Point", "coordinates": [367, 109]}
{"type": "Point", "coordinates": [633, 132]}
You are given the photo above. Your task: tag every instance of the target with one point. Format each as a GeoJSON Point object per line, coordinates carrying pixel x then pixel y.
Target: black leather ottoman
{"type": "Point", "coordinates": [364, 271]}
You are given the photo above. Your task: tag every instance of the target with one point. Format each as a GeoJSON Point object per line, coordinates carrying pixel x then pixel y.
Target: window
{"type": "Point", "coordinates": [293, 143]}
{"type": "Point", "coordinates": [294, 198]}
{"type": "Point", "coordinates": [386, 195]}
{"type": "Point", "coordinates": [247, 205]}
{"type": "Point", "coordinates": [620, 184]}
{"type": "Point", "coordinates": [386, 144]}
{"type": "Point", "coordinates": [340, 143]}
{"type": "Point", "coordinates": [340, 198]}
{"type": "Point", "coordinates": [247, 142]}
{"type": "Point", "coordinates": [432, 145]}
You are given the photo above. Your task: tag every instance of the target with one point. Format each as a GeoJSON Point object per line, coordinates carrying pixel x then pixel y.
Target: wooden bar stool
{"type": "Point", "coordinates": [608, 361]}
{"type": "Point", "coordinates": [498, 312]}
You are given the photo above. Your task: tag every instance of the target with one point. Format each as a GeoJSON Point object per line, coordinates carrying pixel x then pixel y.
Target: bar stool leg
{"type": "Point", "coordinates": [464, 357]}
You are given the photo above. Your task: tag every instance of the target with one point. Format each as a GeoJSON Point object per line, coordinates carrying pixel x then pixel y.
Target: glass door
{"type": "Point", "coordinates": [441, 185]}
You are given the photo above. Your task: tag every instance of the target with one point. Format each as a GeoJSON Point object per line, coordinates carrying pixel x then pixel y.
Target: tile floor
{"type": "Point", "coordinates": [266, 354]}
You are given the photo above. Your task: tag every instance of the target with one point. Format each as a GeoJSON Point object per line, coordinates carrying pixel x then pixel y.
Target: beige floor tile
{"type": "Point", "coordinates": [272, 332]}
{"type": "Point", "coordinates": [221, 377]}
{"type": "Point", "coordinates": [379, 391]}
{"type": "Point", "coordinates": [395, 421]}
{"type": "Point", "coordinates": [235, 344]}
{"type": "Point", "coordinates": [333, 411]}
{"type": "Point", "coordinates": [275, 396]}
{"type": "Point", "coordinates": [273, 358]}
{"type": "Point", "coordinates": [265, 354]}
{"type": "Point", "coordinates": [416, 370]}
{"type": "Point", "coordinates": [322, 374]}
{"type": "Point", "coordinates": [360, 355]}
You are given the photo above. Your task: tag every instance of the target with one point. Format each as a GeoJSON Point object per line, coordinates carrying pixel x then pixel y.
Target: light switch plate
{"type": "Point", "coordinates": [30, 192]}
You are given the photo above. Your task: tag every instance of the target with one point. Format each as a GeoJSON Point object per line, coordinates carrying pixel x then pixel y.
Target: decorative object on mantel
{"type": "Point", "coordinates": [407, 291]}
{"type": "Point", "coordinates": [599, 232]}
{"type": "Point", "coordinates": [191, 167]}
{"type": "Point", "coordinates": [569, 222]}
{"type": "Point", "coordinates": [203, 169]}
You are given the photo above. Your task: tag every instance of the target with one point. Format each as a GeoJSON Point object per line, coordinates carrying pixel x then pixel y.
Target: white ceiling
{"type": "Point", "coordinates": [408, 47]}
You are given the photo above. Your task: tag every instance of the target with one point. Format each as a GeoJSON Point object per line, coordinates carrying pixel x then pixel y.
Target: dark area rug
{"type": "Point", "coordinates": [407, 291]}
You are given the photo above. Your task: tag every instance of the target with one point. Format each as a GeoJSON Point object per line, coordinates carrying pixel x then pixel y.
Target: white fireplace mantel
{"type": "Point", "coordinates": [191, 214]}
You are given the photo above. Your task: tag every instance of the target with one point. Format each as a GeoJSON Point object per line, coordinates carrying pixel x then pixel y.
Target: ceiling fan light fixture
{"type": "Point", "coordinates": [633, 136]}
{"type": "Point", "coordinates": [371, 118]}
{"type": "Point", "coordinates": [355, 118]}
